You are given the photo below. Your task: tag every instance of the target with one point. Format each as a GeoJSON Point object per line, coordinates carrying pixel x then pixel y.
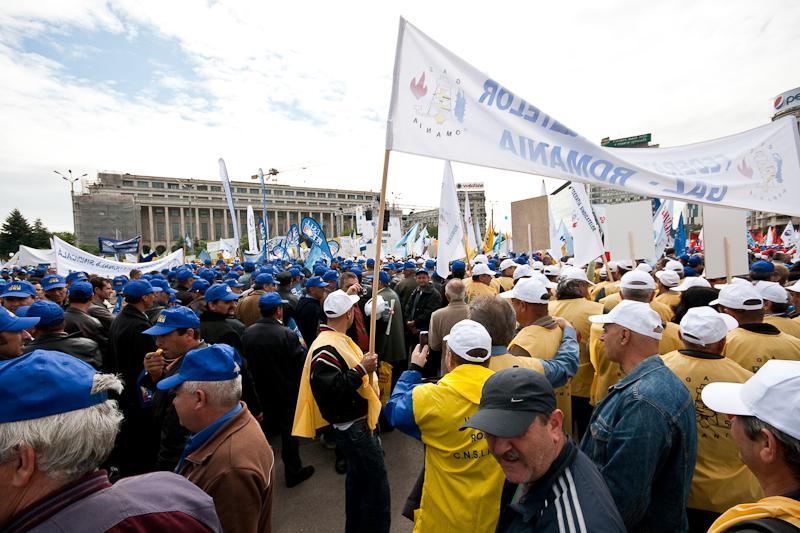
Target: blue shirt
{"type": "Point", "coordinates": [201, 437]}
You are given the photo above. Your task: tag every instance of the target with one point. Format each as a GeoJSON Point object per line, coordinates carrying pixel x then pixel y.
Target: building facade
{"type": "Point", "coordinates": [477, 203]}
{"type": "Point", "coordinates": [164, 210]}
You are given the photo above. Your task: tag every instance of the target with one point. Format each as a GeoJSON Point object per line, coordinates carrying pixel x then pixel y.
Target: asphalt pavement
{"type": "Point", "coordinates": [317, 505]}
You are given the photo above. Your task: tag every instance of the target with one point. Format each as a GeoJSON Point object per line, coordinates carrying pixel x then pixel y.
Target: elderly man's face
{"type": "Point", "coordinates": [612, 337]}
{"type": "Point", "coordinates": [223, 307]}
{"type": "Point", "coordinates": [187, 406]}
{"type": "Point", "coordinates": [527, 457]}
{"type": "Point", "coordinates": [174, 344]}
{"type": "Point", "coordinates": [422, 280]}
{"type": "Point", "coordinates": [749, 450]}
{"type": "Point", "coordinates": [12, 303]}
{"type": "Point", "coordinates": [56, 295]}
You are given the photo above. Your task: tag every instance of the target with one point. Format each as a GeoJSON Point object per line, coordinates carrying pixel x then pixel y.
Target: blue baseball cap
{"type": "Point", "coordinates": [220, 291]}
{"type": "Point", "coordinates": [265, 279]}
{"type": "Point", "coordinates": [762, 267]}
{"type": "Point", "coordinates": [184, 274]}
{"type": "Point", "coordinates": [459, 265]}
{"type": "Point", "coordinates": [137, 288]}
{"type": "Point", "coordinates": [119, 282]}
{"type": "Point", "coordinates": [410, 265]}
{"type": "Point", "coordinates": [695, 260]}
{"type": "Point", "coordinates": [47, 312]}
{"type": "Point", "coordinates": [295, 272]}
{"type": "Point", "coordinates": [370, 262]}
{"type": "Point", "coordinates": [315, 281]}
{"type": "Point", "coordinates": [320, 270]}
{"type": "Point", "coordinates": [199, 285]}
{"type": "Point", "coordinates": [430, 263]}
{"type": "Point", "coordinates": [231, 275]}
{"type": "Point", "coordinates": [10, 322]}
{"type": "Point", "coordinates": [218, 362]}
{"type": "Point", "coordinates": [234, 283]}
{"type": "Point", "coordinates": [330, 275]}
{"type": "Point", "coordinates": [383, 277]}
{"type": "Point", "coordinates": [174, 318]}
{"type": "Point", "coordinates": [75, 276]}
{"type": "Point", "coordinates": [270, 300]}
{"type": "Point", "coordinates": [19, 289]}
{"type": "Point", "coordinates": [81, 288]}
{"type": "Point", "coordinates": [44, 383]}
{"type": "Point", "coordinates": [53, 281]}
{"type": "Point", "coordinates": [161, 284]}
{"type": "Point", "coordinates": [522, 260]}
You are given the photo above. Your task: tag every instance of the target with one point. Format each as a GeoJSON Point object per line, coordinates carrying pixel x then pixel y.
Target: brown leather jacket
{"type": "Point", "coordinates": [235, 467]}
{"type": "Point", "coordinates": [247, 309]}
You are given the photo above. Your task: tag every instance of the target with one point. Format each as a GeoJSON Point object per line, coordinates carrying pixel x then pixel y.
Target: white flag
{"type": "Point", "coordinates": [451, 225]}
{"type": "Point", "coordinates": [768, 241]}
{"type": "Point", "coordinates": [554, 249]}
{"type": "Point", "coordinates": [472, 242]}
{"type": "Point", "coordinates": [788, 236]}
{"type": "Point", "coordinates": [252, 243]}
{"type": "Point", "coordinates": [419, 245]}
{"type": "Point", "coordinates": [587, 243]}
{"type": "Point", "coordinates": [662, 224]}
{"type": "Point", "coordinates": [443, 107]}
{"type": "Point", "coordinates": [226, 185]}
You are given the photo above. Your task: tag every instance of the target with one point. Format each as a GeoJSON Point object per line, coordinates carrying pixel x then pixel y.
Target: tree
{"type": "Point", "coordinates": [40, 236]}
{"type": "Point", "coordinates": [65, 236]}
{"type": "Point", "coordinates": [16, 231]}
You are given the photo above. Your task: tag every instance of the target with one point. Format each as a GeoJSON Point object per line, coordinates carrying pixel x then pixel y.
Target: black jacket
{"type": "Point", "coordinates": [572, 491]}
{"type": "Point", "coordinates": [101, 313]}
{"type": "Point", "coordinates": [335, 386]}
{"type": "Point", "coordinates": [73, 344]}
{"type": "Point", "coordinates": [276, 360]}
{"type": "Point", "coordinates": [215, 329]}
{"type": "Point", "coordinates": [128, 347]}
{"type": "Point", "coordinates": [88, 326]}
{"type": "Point", "coordinates": [421, 305]}
{"type": "Point", "coordinates": [309, 315]}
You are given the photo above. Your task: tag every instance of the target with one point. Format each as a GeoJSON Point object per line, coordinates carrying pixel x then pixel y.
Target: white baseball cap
{"type": "Point", "coordinates": [571, 261]}
{"type": "Point", "coordinates": [380, 306]}
{"type": "Point", "coordinates": [672, 264]}
{"type": "Point", "coordinates": [338, 303]}
{"type": "Point", "coordinates": [481, 268]}
{"type": "Point", "coordinates": [538, 265]}
{"type": "Point", "coordinates": [644, 267]}
{"type": "Point", "coordinates": [638, 317]}
{"type": "Point", "coordinates": [469, 340]}
{"type": "Point", "coordinates": [739, 296]}
{"type": "Point", "coordinates": [480, 258]}
{"type": "Point", "coordinates": [636, 279]}
{"type": "Point", "coordinates": [530, 290]}
{"type": "Point", "coordinates": [613, 266]}
{"type": "Point", "coordinates": [551, 270]}
{"type": "Point", "coordinates": [795, 287]}
{"type": "Point", "coordinates": [772, 291]}
{"type": "Point", "coordinates": [694, 281]}
{"type": "Point", "coordinates": [507, 263]}
{"type": "Point", "coordinates": [669, 278]}
{"type": "Point", "coordinates": [544, 279]}
{"type": "Point", "coordinates": [771, 395]}
{"type": "Point", "coordinates": [627, 264]}
{"type": "Point", "coordinates": [704, 326]}
{"type": "Point", "coordinates": [575, 273]}
{"type": "Point", "coordinates": [522, 271]}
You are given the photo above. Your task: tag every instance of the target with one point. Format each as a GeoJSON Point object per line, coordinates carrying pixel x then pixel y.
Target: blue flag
{"type": "Point", "coordinates": [680, 238]}
{"type": "Point", "coordinates": [750, 240]}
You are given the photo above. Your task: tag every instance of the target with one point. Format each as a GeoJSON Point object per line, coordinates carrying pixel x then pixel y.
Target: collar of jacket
{"type": "Point", "coordinates": [700, 355]}
{"type": "Point", "coordinates": [531, 503]}
{"type": "Point", "coordinates": [467, 380]}
{"type": "Point", "coordinates": [268, 320]}
{"type": "Point", "coordinates": [210, 316]}
{"type": "Point", "coordinates": [650, 364]}
{"type": "Point", "coordinates": [129, 309]}
{"type": "Point", "coordinates": [457, 303]}
{"type": "Point", "coordinates": [761, 327]}
{"type": "Point", "coordinates": [204, 452]}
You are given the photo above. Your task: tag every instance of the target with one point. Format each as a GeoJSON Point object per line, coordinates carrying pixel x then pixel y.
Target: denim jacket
{"type": "Point", "coordinates": [643, 438]}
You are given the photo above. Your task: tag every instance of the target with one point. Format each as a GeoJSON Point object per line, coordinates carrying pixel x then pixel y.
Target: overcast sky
{"type": "Point", "coordinates": [166, 88]}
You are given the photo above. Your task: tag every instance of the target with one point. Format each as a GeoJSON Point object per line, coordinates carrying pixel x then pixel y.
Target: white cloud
{"type": "Point", "coordinates": [283, 85]}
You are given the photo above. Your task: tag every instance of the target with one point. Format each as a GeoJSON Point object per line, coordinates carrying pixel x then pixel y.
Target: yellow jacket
{"type": "Point", "coordinates": [664, 311]}
{"type": "Point", "coordinates": [477, 290]}
{"type": "Point", "coordinates": [307, 418]}
{"type": "Point", "coordinates": [752, 345]}
{"type": "Point", "coordinates": [785, 509]}
{"type": "Point", "coordinates": [669, 298]}
{"type": "Point", "coordinates": [463, 482]}
{"type": "Point", "coordinates": [785, 324]}
{"type": "Point", "coordinates": [577, 311]}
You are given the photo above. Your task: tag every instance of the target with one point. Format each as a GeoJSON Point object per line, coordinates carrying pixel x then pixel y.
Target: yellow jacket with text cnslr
{"type": "Point", "coordinates": [463, 482]}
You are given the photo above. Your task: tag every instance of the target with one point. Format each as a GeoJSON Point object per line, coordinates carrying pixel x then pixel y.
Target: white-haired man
{"type": "Point", "coordinates": [52, 443]}
{"type": "Point", "coordinates": [227, 455]}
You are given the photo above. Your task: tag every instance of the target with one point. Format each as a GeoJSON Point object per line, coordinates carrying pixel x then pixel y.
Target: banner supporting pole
{"type": "Point", "coordinates": [530, 241]}
{"type": "Point", "coordinates": [377, 267]}
{"type": "Point", "coordinates": [630, 247]}
{"type": "Point", "coordinates": [727, 251]}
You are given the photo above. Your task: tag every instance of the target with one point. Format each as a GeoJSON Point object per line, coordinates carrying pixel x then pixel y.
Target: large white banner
{"type": "Point", "coordinates": [252, 244]}
{"type": "Point", "coordinates": [71, 259]}
{"type": "Point", "coordinates": [226, 186]}
{"type": "Point", "coordinates": [27, 256]}
{"type": "Point", "coordinates": [451, 225]}
{"type": "Point", "coordinates": [444, 107]}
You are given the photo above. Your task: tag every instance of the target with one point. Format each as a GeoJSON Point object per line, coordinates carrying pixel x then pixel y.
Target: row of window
{"type": "Point", "coordinates": [243, 190]}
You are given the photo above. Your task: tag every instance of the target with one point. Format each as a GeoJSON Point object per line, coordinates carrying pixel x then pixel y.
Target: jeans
{"type": "Point", "coordinates": [367, 503]}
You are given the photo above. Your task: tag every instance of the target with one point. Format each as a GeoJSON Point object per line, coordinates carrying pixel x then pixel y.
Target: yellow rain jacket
{"type": "Point", "coordinates": [463, 482]}
{"type": "Point", "coordinates": [780, 507]}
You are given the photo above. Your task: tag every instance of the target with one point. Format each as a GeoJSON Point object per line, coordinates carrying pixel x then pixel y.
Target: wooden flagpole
{"type": "Point", "coordinates": [376, 269]}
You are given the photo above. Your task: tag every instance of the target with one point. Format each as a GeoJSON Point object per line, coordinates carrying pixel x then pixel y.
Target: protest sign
{"type": "Point", "coordinates": [530, 213]}
{"type": "Point", "coordinates": [68, 259]}
{"type": "Point", "coordinates": [725, 238]}
{"type": "Point", "coordinates": [629, 231]}
{"type": "Point", "coordinates": [443, 107]}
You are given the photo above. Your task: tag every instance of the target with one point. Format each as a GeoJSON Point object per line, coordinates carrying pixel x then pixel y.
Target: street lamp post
{"type": "Point", "coordinates": [189, 187]}
{"type": "Point", "coordinates": [271, 173]}
{"type": "Point", "coordinates": [72, 180]}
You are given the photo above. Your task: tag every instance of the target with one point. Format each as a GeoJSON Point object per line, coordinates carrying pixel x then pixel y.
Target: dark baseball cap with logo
{"type": "Point", "coordinates": [510, 400]}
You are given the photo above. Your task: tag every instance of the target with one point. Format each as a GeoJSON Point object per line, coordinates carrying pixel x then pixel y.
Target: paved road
{"type": "Point", "coordinates": [317, 505]}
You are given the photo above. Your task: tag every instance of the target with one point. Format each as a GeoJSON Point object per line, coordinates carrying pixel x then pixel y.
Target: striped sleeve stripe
{"type": "Point", "coordinates": [568, 506]}
{"type": "Point", "coordinates": [327, 356]}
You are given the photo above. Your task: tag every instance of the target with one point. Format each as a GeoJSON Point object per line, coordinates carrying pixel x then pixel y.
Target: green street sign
{"type": "Point", "coordinates": [628, 141]}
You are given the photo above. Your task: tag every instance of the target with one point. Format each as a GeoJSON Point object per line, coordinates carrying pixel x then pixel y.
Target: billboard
{"type": "Point", "coordinates": [470, 186]}
{"type": "Point", "coordinates": [787, 101]}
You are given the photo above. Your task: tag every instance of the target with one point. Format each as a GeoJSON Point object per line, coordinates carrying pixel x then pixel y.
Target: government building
{"type": "Point", "coordinates": [166, 210]}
